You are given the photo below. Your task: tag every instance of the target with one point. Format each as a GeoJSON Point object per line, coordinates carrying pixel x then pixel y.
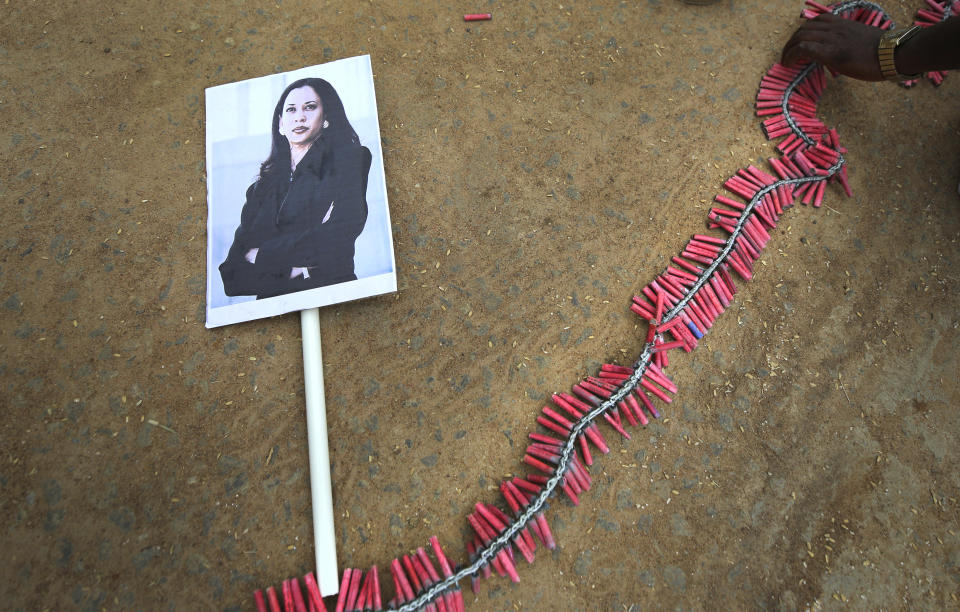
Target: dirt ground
{"type": "Point", "coordinates": [542, 167]}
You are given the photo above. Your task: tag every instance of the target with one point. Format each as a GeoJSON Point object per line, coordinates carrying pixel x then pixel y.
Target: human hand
{"type": "Point", "coordinates": [295, 272]}
{"type": "Point", "coordinates": [251, 255]}
{"type": "Point", "coordinates": [845, 46]}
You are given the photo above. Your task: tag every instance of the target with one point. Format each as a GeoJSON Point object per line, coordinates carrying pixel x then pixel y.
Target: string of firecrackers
{"type": "Point", "coordinates": [681, 305]}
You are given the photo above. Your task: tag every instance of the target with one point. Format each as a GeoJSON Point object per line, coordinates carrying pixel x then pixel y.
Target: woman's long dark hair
{"type": "Point", "coordinates": [338, 133]}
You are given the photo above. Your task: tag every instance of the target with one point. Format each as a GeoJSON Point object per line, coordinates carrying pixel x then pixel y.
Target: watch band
{"type": "Point", "coordinates": [886, 50]}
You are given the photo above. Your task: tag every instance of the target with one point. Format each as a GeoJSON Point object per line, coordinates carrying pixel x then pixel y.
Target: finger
{"type": "Point", "coordinates": [810, 44]}
{"type": "Point", "coordinates": [808, 33]}
{"type": "Point", "coordinates": [825, 28]}
{"type": "Point", "coordinates": [827, 18]}
{"type": "Point", "coordinates": [791, 55]}
{"type": "Point", "coordinates": [808, 36]}
{"type": "Point", "coordinates": [803, 51]}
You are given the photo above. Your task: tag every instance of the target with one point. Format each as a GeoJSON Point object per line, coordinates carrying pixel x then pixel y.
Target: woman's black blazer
{"type": "Point", "coordinates": [309, 218]}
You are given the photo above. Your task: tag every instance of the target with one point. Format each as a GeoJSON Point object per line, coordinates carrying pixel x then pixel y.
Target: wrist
{"type": "Point", "coordinates": [895, 66]}
{"type": "Point", "coordinates": [907, 58]}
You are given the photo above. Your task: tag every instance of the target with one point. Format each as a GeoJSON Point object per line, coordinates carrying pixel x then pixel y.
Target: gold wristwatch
{"type": "Point", "coordinates": [886, 50]}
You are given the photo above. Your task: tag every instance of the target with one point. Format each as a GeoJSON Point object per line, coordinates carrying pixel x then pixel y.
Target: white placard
{"type": "Point", "coordinates": [240, 125]}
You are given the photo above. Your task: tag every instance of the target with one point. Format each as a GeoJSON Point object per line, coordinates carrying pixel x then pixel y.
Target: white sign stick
{"type": "Point", "coordinates": [324, 537]}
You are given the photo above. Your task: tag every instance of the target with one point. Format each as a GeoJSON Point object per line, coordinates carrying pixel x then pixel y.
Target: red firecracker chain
{"type": "Point", "coordinates": [682, 302]}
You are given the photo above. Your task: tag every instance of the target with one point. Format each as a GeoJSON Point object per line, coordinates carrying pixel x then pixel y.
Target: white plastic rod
{"type": "Point", "coordinates": [324, 537]}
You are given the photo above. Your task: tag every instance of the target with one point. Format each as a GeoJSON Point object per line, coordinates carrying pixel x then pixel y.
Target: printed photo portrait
{"type": "Point", "coordinates": [296, 194]}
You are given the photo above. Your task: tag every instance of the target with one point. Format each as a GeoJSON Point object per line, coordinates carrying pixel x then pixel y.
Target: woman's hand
{"type": "Point", "coordinates": [846, 46]}
{"type": "Point", "coordinates": [251, 255]}
{"type": "Point", "coordinates": [295, 272]}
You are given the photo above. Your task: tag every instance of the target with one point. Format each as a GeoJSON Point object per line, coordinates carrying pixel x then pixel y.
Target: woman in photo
{"type": "Point", "coordinates": [305, 210]}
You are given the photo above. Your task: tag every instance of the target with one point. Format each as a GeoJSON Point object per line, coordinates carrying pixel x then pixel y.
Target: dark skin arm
{"type": "Point", "coordinates": [850, 48]}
